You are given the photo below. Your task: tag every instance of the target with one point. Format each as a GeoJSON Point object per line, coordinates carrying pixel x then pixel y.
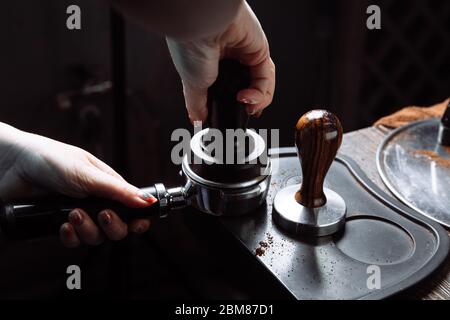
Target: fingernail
{"type": "Point", "coordinates": [66, 230]}
{"type": "Point", "coordinates": [76, 218]}
{"type": "Point", "coordinates": [147, 196]}
{"type": "Point", "coordinates": [105, 218]}
{"type": "Point", "coordinates": [139, 229]}
{"type": "Point", "coordinates": [249, 101]}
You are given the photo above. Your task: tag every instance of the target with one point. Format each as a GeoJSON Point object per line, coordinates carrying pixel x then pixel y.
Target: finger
{"type": "Point", "coordinates": [104, 167]}
{"type": "Point", "coordinates": [113, 227]}
{"type": "Point", "coordinates": [68, 236]}
{"type": "Point", "coordinates": [139, 226]}
{"type": "Point", "coordinates": [262, 87]}
{"type": "Point", "coordinates": [101, 184]}
{"type": "Point", "coordinates": [85, 228]}
{"type": "Point", "coordinates": [195, 99]}
{"type": "Point", "coordinates": [258, 114]}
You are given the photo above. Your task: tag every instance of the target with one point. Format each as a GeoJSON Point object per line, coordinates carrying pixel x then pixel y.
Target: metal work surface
{"type": "Point", "coordinates": [405, 246]}
{"type": "Point", "coordinates": [417, 169]}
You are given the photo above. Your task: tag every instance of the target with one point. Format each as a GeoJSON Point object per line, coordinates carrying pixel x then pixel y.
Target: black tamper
{"type": "Point", "coordinates": [239, 157]}
{"type": "Point", "coordinates": [310, 209]}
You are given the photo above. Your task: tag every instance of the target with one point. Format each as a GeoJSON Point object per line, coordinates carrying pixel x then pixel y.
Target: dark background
{"type": "Point", "coordinates": [325, 57]}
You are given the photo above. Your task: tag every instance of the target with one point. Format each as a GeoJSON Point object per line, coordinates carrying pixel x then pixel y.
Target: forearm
{"type": "Point", "coordinates": [186, 19]}
{"type": "Point", "coordinates": [10, 148]}
{"type": "Point", "coordinates": [10, 141]}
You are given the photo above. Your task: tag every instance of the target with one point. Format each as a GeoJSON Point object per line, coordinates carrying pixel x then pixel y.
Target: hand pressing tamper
{"type": "Point", "coordinates": [310, 209]}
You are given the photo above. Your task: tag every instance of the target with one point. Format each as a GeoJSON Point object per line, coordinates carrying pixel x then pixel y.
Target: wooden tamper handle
{"type": "Point", "coordinates": [318, 136]}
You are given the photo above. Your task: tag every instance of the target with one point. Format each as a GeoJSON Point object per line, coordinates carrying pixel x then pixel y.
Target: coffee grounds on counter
{"type": "Point", "coordinates": [264, 245]}
{"type": "Point", "coordinates": [259, 252]}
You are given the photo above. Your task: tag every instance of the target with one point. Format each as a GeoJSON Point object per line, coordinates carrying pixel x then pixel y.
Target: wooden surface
{"type": "Point", "coordinates": [361, 146]}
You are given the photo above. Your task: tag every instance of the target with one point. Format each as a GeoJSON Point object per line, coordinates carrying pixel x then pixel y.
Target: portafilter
{"type": "Point", "coordinates": [227, 180]}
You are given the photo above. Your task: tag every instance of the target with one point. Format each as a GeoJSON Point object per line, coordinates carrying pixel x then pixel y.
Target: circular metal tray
{"type": "Point", "coordinates": [416, 169]}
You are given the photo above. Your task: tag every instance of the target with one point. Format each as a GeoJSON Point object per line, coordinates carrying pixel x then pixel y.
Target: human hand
{"type": "Point", "coordinates": [34, 164]}
{"type": "Point", "coordinates": [197, 63]}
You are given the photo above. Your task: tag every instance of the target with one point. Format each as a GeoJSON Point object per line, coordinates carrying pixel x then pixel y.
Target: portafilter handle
{"type": "Point", "coordinates": [318, 136]}
{"type": "Point", "coordinates": [224, 110]}
{"type": "Point", "coordinates": [42, 216]}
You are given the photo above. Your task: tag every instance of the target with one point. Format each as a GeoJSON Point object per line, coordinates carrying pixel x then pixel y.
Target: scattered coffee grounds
{"type": "Point", "coordinates": [414, 113]}
{"type": "Point", "coordinates": [259, 252]}
{"type": "Point", "coordinates": [264, 245]}
{"type": "Point", "coordinates": [433, 156]}
{"type": "Point", "coordinates": [270, 238]}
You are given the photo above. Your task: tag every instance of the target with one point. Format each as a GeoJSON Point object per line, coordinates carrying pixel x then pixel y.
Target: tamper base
{"type": "Point", "coordinates": [300, 220]}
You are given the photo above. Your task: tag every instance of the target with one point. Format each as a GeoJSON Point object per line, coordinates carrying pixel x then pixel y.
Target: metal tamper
{"type": "Point", "coordinates": [310, 209]}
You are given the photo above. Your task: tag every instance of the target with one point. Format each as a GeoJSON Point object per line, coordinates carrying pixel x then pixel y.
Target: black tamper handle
{"type": "Point", "coordinates": [224, 111]}
{"type": "Point", "coordinates": [444, 129]}
{"type": "Point", "coordinates": [43, 216]}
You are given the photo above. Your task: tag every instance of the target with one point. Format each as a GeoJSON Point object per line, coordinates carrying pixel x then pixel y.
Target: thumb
{"type": "Point", "coordinates": [196, 100]}
{"type": "Point", "coordinates": [197, 64]}
{"type": "Point", "coordinates": [104, 185]}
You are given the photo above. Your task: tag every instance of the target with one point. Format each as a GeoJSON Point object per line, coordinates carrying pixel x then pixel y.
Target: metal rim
{"type": "Point", "coordinates": [385, 178]}
{"type": "Point", "coordinates": [195, 177]}
{"type": "Point", "coordinates": [195, 144]}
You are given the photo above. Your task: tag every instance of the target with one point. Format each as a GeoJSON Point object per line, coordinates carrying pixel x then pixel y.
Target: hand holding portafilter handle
{"type": "Point", "coordinates": [318, 136]}
{"type": "Point", "coordinates": [42, 216]}
{"type": "Point", "coordinates": [309, 209]}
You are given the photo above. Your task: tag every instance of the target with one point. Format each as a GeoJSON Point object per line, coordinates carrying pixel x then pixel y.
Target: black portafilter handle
{"type": "Point", "coordinates": [444, 128]}
{"type": "Point", "coordinates": [43, 216]}
{"type": "Point", "coordinates": [224, 111]}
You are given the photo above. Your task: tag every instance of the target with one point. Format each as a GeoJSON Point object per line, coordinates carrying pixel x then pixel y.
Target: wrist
{"type": "Point", "coordinates": [11, 145]}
